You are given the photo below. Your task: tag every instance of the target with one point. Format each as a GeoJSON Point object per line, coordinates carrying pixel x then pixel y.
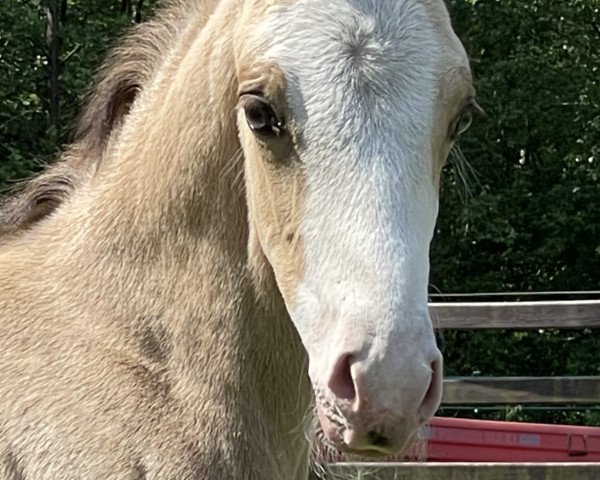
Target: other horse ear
{"type": "Point", "coordinates": [478, 110]}
{"type": "Point", "coordinates": [106, 109]}
{"type": "Point", "coordinates": [118, 107]}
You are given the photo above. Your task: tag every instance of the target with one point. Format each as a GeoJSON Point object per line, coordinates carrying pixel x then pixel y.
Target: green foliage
{"type": "Point", "coordinates": [532, 221]}
{"type": "Point", "coordinates": [89, 29]}
{"type": "Point", "coordinates": [22, 76]}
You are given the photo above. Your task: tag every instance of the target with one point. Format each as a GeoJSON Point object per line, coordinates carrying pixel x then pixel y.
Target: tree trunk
{"type": "Point", "coordinates": [63, 11]}
{"type": "Point", "coordinates": [126, 7]}
{"type": "Point", "coordinates": [138, 11]}
{"type": "Point", "coordinates": [53, 43]}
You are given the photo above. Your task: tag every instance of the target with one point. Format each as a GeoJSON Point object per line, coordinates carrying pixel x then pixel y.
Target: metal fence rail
{"type": "Point", "coordinates": [516, 315]}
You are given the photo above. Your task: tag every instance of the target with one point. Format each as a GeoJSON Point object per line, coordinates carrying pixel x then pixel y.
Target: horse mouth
{"type": "Point", "coordinates": [370, 452]}
{"type": "Point", "coordinates": [371, 437]}
{"type": "Point", "coordinates": [341, 436]}
{"type": "Point", "coordinates": [342, 450]}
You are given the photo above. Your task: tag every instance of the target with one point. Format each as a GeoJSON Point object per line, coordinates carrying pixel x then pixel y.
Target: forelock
{"type": "Point", "coordinates": [350, 63]}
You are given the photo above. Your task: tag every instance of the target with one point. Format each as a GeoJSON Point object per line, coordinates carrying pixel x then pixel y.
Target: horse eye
{"type": "Point", "coordinates": [462, 124]}
{"type": "Point", "coordinates": [260, 116]}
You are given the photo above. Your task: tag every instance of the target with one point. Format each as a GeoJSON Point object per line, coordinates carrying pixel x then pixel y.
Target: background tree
{"type": "Point", "coordinates": [46, 64]}
{"type": "Point", "coordinates": [53, 45]}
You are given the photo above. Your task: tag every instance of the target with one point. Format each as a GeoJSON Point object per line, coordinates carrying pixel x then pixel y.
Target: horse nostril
{"type": "Point", "coordinates": [341, 382]}
{"type": "Point", "coordinates": [377, 440]}
{"type": "Point", "coordinates": [433, 396]}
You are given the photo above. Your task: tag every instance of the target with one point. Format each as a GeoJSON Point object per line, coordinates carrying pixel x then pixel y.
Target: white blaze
{"type": "Point", "coordinates": [362, 84]}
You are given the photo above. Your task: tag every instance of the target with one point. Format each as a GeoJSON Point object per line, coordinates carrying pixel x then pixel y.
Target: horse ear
{"type": "Point", "coordinates": [106, 108]}
{"type": "Point", "coordinates": [40, 196]}
{"type": "Point", "coordinates": [118, 107]}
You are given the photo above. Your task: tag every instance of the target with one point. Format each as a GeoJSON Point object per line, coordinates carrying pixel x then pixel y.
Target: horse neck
{"type": "Point", "coordinates": [168, 211]}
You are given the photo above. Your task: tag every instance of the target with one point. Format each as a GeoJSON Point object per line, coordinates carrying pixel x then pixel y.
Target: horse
{"type": "Point", "coordinates": [238, 235]}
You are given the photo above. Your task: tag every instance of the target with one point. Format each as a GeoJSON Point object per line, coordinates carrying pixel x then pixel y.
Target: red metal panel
{"type": "Point", "coordinates": [463, 440]}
